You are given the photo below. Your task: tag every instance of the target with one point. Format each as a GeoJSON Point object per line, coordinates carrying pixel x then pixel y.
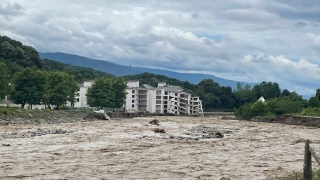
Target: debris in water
{"type": "Point", "coordinates": [154, 122]}
{"type": "Point", "coordinates": [159, 130]}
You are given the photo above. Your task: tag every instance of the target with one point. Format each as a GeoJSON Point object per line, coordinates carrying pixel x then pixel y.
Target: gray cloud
{"type": "Point", "coordinates": [240, 40]}
{"type": "Point", "coordinates": [10, 9]}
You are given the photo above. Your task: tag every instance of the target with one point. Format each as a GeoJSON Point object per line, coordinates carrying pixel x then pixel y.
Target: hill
{"type": "Point", "coordinates": [18, 56]}
{"type": "Point", "coordinates": [121, 70]}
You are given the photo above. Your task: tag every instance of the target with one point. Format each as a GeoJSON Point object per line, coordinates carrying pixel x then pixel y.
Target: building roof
{"type": "Point", "coordinates": [172, 88]}
{"type": "Point", "coordinates": [147, 86]}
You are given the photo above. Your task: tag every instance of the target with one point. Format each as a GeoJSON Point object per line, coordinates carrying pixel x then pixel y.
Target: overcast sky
{"type": "Point", "coordinates": [245, 40]}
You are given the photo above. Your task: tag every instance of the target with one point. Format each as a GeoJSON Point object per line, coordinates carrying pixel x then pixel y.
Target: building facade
{"type": "Point", "coordinates": [163, 99]}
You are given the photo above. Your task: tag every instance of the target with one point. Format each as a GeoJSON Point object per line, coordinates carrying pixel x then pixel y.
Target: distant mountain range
{"type": "Point", "coordinates": [121, 70]}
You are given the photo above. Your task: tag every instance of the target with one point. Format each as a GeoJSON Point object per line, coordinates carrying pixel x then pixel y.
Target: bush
{"type": "Point", "coordinates": [270, 115]}
{"type": "Point", "coordinates": [4, 111]}
{"type": "Point", "coordinates": [311, 111]}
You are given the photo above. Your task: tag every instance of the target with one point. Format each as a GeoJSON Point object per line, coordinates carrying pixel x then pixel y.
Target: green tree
{"type": "Point", "coordinates": [211, 101]}
{"type": "Point", "coordinates": [61, 88]}
{"type": "Point", "coordinates": [243, 92]}
{"type": "Point", "coordinates": [285, 92]}
{"type": "Point", "coordinates": [314, 102]}
{"type": "Point", "coordinates": [258, 109]}
{"type": "Point", "coordinates": [100, 94]}
{"type": "Point", "coordinates": [318, 93]}
{"type": "Point", "coordinates": [29, 87]}
{"type": "Point", "coordinates": [4, 81]}
{"type": "Point", "coordinates": [209, 86]}
{"type": "Point", "coordinates": [269, 90]}
{"type": "Point", "coordinates": [256, 92]}
{"type": "Point", "coordinates": [119, 89]}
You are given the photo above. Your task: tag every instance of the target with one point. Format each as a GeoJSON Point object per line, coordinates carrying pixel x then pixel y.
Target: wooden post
{"type": "Point", "coordinates": [307, 168]}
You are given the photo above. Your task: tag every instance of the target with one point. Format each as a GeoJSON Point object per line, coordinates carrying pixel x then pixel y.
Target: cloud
{"type": "Point", "coordinates": [240, 40]}
{"type": "Point", "coordinates": [10, 9]}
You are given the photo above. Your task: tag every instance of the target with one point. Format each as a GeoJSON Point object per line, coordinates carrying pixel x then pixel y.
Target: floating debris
{"type": "Point", "coordinates": [154, 122]}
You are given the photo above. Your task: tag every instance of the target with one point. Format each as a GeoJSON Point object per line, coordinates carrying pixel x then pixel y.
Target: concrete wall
{"type": "Point", "coordinates": [129, 99]}
{"type": "Point", "coordinates": [151, 101]}
{"type": "Point", "coordinates": [133, 83]}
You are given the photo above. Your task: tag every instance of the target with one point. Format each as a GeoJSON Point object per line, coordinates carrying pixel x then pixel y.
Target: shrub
{"type": "Point", "coordinates": [4, 111]}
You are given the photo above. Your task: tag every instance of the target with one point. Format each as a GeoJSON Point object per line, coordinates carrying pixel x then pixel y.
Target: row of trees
{"type": "Point", "coordinates": [285, 104]}
{"type": "Point", "coordinates": [33, 87]}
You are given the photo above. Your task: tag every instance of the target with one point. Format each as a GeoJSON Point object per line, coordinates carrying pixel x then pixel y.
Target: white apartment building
{"type": "Point", "coordinates": [81, 98]}
{"type": "Point", "coordinates": [163, 99]}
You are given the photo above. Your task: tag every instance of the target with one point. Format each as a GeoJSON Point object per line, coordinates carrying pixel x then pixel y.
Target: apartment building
{"type": "Point", "coordinates": [81, 98]}
{"type": "Point", "coordinates": [163, 99]}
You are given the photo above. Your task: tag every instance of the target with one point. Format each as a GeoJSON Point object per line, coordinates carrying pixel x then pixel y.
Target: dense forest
{"type": "Point", "coordinates": [16, 57]}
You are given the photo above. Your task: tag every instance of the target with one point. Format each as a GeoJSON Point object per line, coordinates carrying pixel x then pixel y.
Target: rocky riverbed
{"type": "Point", "coordinates": [37, 132]}
{"type": "Point", "coordinates": [130, 149]}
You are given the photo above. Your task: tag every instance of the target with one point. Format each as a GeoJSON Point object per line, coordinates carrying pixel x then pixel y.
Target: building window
{"type": "Point", "coordinates": [78, 100]}
{"type": "Point", "coordinates": [132, 101]}
{"type": "Point", "coordinates": [133, 91]}
{"type": "Point", "coordinates": [133, 96]}
{"type": "Point", "coordinates": [132, 105]}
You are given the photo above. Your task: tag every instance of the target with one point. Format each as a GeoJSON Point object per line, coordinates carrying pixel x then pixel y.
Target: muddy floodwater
{"type": "Point", "coordinates": [129, 149]}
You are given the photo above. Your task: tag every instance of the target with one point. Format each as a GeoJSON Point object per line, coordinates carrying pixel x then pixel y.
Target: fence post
{"type": "Point", "coordinates": [307, 168]}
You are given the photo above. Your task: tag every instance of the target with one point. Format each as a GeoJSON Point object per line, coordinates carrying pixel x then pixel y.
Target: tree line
{"type": "Point", "coordinates": [35, 87]}
{"type": "Point", "coordinates": [32, 86]}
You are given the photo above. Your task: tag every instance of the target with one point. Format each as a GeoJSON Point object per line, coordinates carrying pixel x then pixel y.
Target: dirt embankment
{"type": "Point", "coordinates": [38, 116]}
{"type": "Point", "coordinates": [298, 120]}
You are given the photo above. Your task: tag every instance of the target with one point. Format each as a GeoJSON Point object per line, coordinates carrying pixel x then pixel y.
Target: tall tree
{"type": "Point", "coordinates": [211, 101]}
{"type": "Point", "coordinates": [209, 86]}
{"type": "Point", "coordinates": [119, 89]}
{"type": "Point", "coordinates": [314, 102]}
{"type": "Point", "coordinates": [4, 81]}
{"type": "Point", "coordinates": [285, 92]}
{"type": "Point", "coordinates": [100, 94]}
{"type": "Point", "coordinates": [318, 93]}
{"type": "Point", "coordinates": [29, 87]}
{"type": "Point", "coordinates": [269, 90]}
{"type": "Point", "coordinates": [243, 92]}
{"type": "Point", "coordinates": [61, 88]}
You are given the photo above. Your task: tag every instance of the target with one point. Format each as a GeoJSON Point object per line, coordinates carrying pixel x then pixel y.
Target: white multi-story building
{"type": "Point", "coordinates": [163, 99]}
{"type": "Point", "coordinates": [81, 98]}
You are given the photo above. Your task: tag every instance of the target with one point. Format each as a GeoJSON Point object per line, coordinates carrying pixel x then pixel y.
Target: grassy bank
{"type": "Point", "coordinates": [13, 115]}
